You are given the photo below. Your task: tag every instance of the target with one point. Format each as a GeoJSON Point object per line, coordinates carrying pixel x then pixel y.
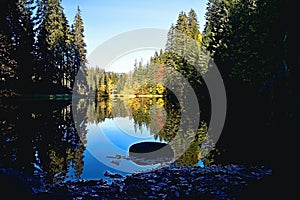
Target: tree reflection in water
{"type": "Point", "coordinates": [163, 119]}
{"type": "Point", "coordinates": [39, 137]}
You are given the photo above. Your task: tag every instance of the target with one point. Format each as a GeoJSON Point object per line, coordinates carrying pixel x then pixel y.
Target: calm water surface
{"type": "Point", "coordinates": [42, 137]}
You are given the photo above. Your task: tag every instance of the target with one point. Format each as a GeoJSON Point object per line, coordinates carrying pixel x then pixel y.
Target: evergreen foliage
{"type": "Point", "coordinates": [39, 51]}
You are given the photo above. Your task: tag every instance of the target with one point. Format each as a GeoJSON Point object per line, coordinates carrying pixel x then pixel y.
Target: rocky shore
{"type": "Point", "coordinates": [213, 182]}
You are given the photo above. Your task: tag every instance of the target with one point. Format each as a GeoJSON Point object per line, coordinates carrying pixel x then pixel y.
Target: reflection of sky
{"type": "Point", "coordinates": [110, 138]}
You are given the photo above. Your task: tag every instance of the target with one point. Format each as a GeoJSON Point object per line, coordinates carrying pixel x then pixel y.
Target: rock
{"type": "Point", "coordinates": [147, 147]}
{"type": "Point", "coordinates": [216, 182]}
{"type": "Point", "coordinates": [149, 153]}
{"type": "Point", "coordinates": [111, 175]}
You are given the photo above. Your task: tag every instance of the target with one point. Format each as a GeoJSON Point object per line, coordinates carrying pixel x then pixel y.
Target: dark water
{"type": "Point", "coordinates": [81, 139]}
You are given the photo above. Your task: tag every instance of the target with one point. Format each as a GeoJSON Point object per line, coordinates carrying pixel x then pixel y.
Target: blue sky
{"type": "Point", "coordinates": [104, 19]}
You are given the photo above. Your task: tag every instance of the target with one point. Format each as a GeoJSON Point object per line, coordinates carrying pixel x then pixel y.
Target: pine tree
{"type": "Point", "coordinates": [41, 50]}
{"type": "Point", "coordinates": [40, 15]}
{"type": "Point", "coordinates": [66, 72]}
{"type": "Point", "coordinates": [17, 42]}
{"type": "Point", "coordinates": [52, 33]}
{"type": "Point", "coordinates": [182, 24]}
{"type": "Point", "coordinates": [7, 63]}
{"type": "Point", "coordinates": [79, 51]}
{"type": "Point", "coordinates": [24, 52]}
{"type": "Point", "coordinates": [170, 38]}
{"type": "Point", "coordinates": [182, 33]}
{"type": "Point", "coordinates": [193, 25]}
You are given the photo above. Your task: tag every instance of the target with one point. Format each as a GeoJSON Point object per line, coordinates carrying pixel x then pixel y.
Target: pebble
{"type": "Point", "coordinates": [215, 182]}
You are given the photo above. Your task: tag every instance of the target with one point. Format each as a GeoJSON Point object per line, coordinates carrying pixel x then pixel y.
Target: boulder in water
{"type": "Point", "coordinates": [149, 153]}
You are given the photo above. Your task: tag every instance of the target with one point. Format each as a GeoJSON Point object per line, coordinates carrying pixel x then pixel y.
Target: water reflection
{"type": "Point", "coordinates": [40, 138]}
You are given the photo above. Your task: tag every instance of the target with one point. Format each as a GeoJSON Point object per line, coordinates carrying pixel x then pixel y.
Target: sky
{"type": "Point", "coordinates": [104, 19]}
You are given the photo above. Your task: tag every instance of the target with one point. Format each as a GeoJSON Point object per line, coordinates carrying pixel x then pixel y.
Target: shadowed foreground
{"type": "Point", "coordinates": [214, 182]}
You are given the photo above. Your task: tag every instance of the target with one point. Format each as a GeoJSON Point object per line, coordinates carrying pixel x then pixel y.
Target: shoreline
{"type": "Point", "coordinates": [211, 182]}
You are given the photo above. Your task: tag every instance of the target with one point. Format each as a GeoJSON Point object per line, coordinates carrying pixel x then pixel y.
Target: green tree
{"type": "Point", "coordinates": [244, 35]}
{"type": "Point", "coordinates": [51, 42]}
{"type": "Point", "coordinates": [79, 47]}
{"type": "Point", "coordinates": [24, 49]}
{"type": "Point", "coordinates": [193, 24]}
{"type": "Point", "coordinates": [7, 62]}
{"type": "Point", "coordinates": [17, 39]}
{"type": "Point", "coordinates": [247, 40]}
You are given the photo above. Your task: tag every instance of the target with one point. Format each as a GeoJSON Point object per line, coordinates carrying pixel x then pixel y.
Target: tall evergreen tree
{"type": "Point", "coordinates": [7, 63]}
{"type": "Point", "coordinates": [182, 24]}
{"type": "Point", "coordinates": [248, 42]}
{"type": "Point", "coordinates": [79, 48]}
{"type": "Point", "coordinates": [193, 25]}
{"type": "Point", "coordinates": [250, 30]}
{"type": "Point", "coordinates": [17, 41]}
{"type": "Point", "coordinates": [52, 34]}
{"type": "Point", "coordinates": [65, 74]}
{"type": "Point", "coordinates": [40, 47]}
{"type": "Point", "coordinates": [24, 52]}
{"type": "Point", "coordinates": [170, 38]}
{"type": "Point", "coordinates": [182, 32]}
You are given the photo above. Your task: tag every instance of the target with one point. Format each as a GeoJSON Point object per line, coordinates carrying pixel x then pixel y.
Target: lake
{"type": "Point", "coordinates": [62, 140]}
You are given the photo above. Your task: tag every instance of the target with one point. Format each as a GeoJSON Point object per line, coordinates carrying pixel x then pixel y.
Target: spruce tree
{"type": "Point", "coordinates": [79, 52]}
{"type": "Point", "coordinates": [193, 25]}
{"type": "Point", "coordinates": [17, 43]}
{"type": "Point", "coordinates": [24, 52]}
{"type": "Point", "coordinates": [7, 63]}
{"type": "Point", "coordinates": [52, 42]}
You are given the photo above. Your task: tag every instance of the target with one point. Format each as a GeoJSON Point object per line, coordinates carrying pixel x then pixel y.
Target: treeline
{"type": "Point", "coordinates": [145, 79]}
{"type": "Point", "coordinates": [251, 44]}
{"type": "Point", "coordinates": [182, 64]}
{"type": "Point", "coordinates": [39, 51]}
{"type": "Point", "coordinates": [183, 59]}
{"type": "Point", "coordinates": [183, 54]}
{"type": "Point", "coordinates": [102, 83]}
